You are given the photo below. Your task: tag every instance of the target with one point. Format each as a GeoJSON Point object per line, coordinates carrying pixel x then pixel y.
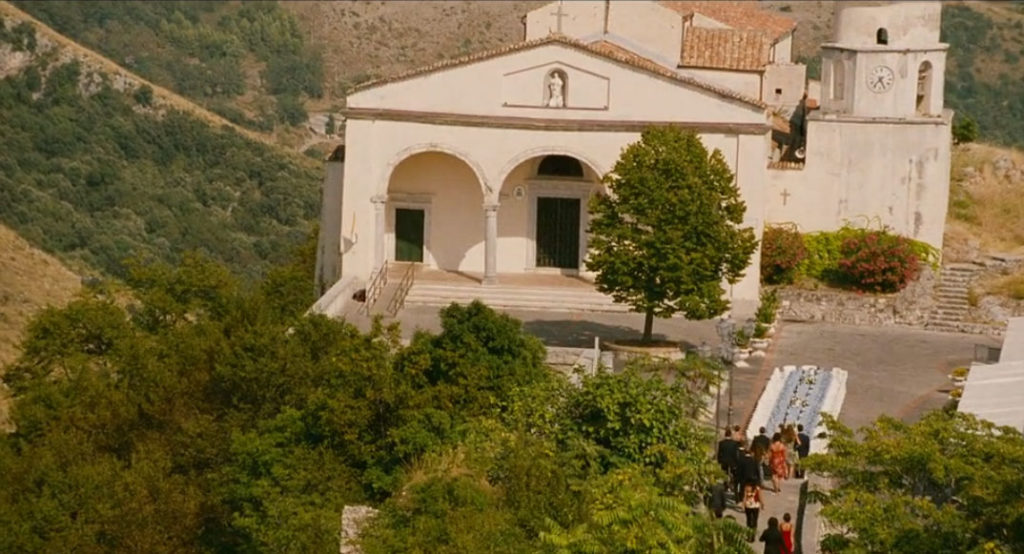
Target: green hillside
{"type": "Point", "coordinates": [247, 61]}
{"type": "Point", "coordinates": [95, 174]}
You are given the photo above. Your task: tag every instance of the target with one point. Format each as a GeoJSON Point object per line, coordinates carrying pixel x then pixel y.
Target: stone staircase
{"type": "Point", "coordinates": [507, 297]}
{"type": "Point", "coordinates": [951, 304]}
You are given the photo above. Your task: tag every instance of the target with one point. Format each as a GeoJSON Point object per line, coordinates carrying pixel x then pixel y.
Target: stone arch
{"type": "Point", "coordinates": [410, 151]}
{"type": "Point", "coordinates": [924, 88]}
{"type": "Point", "coordinates": [540, 152]}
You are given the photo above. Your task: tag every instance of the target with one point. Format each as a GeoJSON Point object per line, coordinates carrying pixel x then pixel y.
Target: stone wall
{"type": "Point", "coordinates": [910, 306]}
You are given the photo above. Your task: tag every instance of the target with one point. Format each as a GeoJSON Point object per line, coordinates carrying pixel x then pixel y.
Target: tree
{"type": "Point", "coordinates": [668, 235]}
{"type": "Point", "coordinates": [331, 126]}
{"type": "Point", "coordinates": [948, 483]}
{"type": "Point", "coordinates": [965, 129]}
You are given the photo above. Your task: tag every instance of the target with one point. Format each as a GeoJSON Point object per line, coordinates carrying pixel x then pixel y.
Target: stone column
{"type": "Point", "coordinates": [490, 244]}
{"type": "Point", "coordinates": [379, 224]}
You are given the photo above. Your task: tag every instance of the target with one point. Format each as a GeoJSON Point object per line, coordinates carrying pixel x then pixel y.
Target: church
{"type": "Point", "coordinates": [483, 166]}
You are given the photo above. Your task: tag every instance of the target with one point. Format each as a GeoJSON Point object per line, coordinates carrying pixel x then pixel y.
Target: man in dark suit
{"type": "Point", "coordinates": [726, 455]}
{"type": "Point", "coordinates": [746, 470]}
{"type": "Point", "coordinates": [759, 448]}
{"type": "Point", "coordinates": [802, 451]}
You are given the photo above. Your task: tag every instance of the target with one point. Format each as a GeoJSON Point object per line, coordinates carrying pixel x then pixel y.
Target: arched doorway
{"type": "Point", "coordinates": [544, 213]}
{"type": "Point", "coordinates": [434, 213]}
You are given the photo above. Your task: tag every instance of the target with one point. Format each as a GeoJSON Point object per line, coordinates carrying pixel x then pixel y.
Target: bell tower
{"type": "Point", "coordinates": [885, 61]}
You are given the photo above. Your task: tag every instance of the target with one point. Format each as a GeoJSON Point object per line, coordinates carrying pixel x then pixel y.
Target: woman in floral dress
{"type": "Point", "coordinates": [777, 459]}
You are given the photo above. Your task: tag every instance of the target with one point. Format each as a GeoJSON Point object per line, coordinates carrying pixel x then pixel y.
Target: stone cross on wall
{"type": "Point", "coordinates": [559, 14]}
{"type": "Point", "coordinates": [785, 196]}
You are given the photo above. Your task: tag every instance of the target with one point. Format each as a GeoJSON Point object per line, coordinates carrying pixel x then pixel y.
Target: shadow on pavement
{"type": "Point", "coordinates": [580, 334]}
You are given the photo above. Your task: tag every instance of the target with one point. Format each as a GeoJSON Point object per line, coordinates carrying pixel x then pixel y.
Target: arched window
{"type": "Point", "coordinates": [924, 88]}
{"type": "Point", "coordinates": [882, 36]}
{"type": "Point", "coordinates": [838, 79]}
{"type": "Point", "coordinates": [560, 166]}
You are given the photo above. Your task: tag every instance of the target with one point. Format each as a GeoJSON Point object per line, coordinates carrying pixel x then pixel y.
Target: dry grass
{"type": "Point", "coordinates": [1010, 286]}
{"type": "Point", "coordinates": [985, 208]}
{"type": "Point", "coordinates": [29, 281]}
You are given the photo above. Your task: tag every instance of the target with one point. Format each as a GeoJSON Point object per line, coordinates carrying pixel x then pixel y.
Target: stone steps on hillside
{"type": "Point", "coordinates": [951, 297]}
{"type": "Point", "coordinates": [507, 297]}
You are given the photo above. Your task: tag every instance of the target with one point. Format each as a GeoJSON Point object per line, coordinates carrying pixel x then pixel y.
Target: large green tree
{"type": "Point", "coordinates": [668, 235]}
{"type": "Point", "coordinates": [948, 483]}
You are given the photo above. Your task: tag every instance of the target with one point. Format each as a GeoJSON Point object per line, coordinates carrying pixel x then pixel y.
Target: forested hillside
{"type": "Point", "coordinates": [94, 170]}
{"type": "Point", "coordinates": [247, 61]}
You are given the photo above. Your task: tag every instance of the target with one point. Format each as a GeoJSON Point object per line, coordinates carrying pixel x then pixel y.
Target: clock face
{"type": "Point", "coordinates": [880, 79]}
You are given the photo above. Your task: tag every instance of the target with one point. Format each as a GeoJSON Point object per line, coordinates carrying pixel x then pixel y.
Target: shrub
{"type": "Point", "coordinates": [768, 307]}
{"type": "Point", "coordinates": [964, 130]}
{"type": "Point", "coordinates": [878, 261]}
{"type": "Point", "coordinates": [823, 254]}
{"type": "Point", "coordinates": [782, 251]}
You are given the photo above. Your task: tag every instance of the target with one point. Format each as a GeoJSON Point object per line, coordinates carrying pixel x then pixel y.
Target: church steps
{"type": "Point", "coordinates": [506, 297]}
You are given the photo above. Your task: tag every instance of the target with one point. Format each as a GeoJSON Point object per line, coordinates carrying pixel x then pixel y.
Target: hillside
{"type": "Point", "coordinates": [97, 168]}
{"type": "Point", "coordinates": [246, 61]}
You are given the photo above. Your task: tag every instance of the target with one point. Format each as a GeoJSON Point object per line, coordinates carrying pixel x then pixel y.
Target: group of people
{"type": "Point", "coordinates": [746, 465]}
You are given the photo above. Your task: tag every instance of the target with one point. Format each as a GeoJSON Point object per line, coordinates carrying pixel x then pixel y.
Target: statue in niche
{"type": "Point", "coordinates": [556, 90]}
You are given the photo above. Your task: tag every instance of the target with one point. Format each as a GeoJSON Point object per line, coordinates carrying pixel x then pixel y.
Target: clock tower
{"type": "Point", "coordinates": [885, 61]}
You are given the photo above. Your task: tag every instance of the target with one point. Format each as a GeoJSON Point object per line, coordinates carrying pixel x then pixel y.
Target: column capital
{"type": "Point", "coordinates": [491, 207]}
{"type": "Point", "coordinates": [379, 199]}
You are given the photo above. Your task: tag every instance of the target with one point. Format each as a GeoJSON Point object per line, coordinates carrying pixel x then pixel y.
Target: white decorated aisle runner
{"type": "Point", "coordinates": [799, 396]}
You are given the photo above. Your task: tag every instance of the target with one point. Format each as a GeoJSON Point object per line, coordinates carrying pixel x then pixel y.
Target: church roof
{"type": "Point", "coordinates": [743, 16]}
{"type": "Point", "coordinates": [616, 54]}
{"type": "Point", "coordinates": [735, 49]}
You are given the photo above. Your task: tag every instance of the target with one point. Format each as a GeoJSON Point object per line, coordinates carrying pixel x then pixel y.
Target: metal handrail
{"type": "Point", "coordinates": [398, 300]}
{"type": "Point", "coordinates": [378, 281]}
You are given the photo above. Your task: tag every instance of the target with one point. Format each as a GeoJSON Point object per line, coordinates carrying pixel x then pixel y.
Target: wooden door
{"type": "Point", "coordinates": [409, 235]}
{"type": "Point", "coordinates": [558, 232]}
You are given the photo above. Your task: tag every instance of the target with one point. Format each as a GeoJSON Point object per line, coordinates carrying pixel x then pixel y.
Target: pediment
{"type": "Point", "coordinates": [555, 84]}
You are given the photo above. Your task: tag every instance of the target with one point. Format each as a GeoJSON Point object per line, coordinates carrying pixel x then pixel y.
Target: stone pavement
{"type": "Point", "coordinates": [896, 371]}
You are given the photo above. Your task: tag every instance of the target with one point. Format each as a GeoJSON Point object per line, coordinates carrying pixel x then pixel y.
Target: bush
{"type": "Point", "coordinates": [768, 308]}
{"type": "Point", "coordinates": [782, 251]}
{"type": "Point", "coordinates": [964, 130]}
{"type": "Point", "coordinates": [878, 261]}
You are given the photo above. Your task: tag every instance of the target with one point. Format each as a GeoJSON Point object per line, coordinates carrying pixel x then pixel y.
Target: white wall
{"type": "Point", "coordinates": [791, 78]}
{"type": "Point", "coordinates": [908, 24]}
{"type": "Point", "coordinates": [895, 174]}
{"type": "Point", "coordinates": [743, 82]}
{"type": "Point", "coordinates": [480, 89]}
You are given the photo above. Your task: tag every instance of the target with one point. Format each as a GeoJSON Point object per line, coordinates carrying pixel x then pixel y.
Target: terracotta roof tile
{"type": "Point", "coordinates": [619, 55]}
{"type": "Point", "coordinates": [744, 16]}
{"type": "Point", "coordinates": [725, 49]}
{"type": "Point", "coordinates": [611, 48]}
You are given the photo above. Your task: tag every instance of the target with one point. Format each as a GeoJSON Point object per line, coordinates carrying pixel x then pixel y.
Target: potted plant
{"type": "Point", "coordinates": [741, 341]}
{"type": "Point", "coordinates": [767, 310]}
{"type": "Point", "coordinates": [760, 340]}
{"type": "Point", "coordinates": [959, 375]}
{"type": "Point", "coordinates": [955, 394]}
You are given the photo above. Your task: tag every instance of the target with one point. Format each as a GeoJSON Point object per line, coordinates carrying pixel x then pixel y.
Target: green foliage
{"type": "Point", "coordinates": [667, 236]}
{"type": "Point", "coordinates": [21, 37]}
{"type": "Point", "coordinates": [965, 129]}
{"type": "Point", "coordinates": [782, 251]}
{"type": "Point", "coordinates": [948, 483]}
{"type": "Point", "coordinates": [93, 180]}
{"type": "Point", "coordinates": [330, 126]}
{"type": "Point", "coordinates": [972, 84]}
{"type": "Point", "coordinates": [144, 95]}
{"type": "Point", "coordinates": [290, 109]}
{"type": "Point", "coordinates": [866, 259]}
{"type": "Point", "coordinates": [768, 307]}
{"type": "Point", "coordinates": [202, 50]}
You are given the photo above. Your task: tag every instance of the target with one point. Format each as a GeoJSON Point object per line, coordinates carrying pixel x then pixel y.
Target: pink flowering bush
{"type": "Point", "coordinates": [878, 261]}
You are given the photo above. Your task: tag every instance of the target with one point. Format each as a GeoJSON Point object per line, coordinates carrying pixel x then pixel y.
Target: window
{"type": "Point", "coordinates": [924, 88]}
{"type": "Point", "coordinates": [560, 166]}
{"type": "Point", "coordinates": [778, 91]}
{"type": "Point", "coordinates": [838, 79]}
{"type": "Point", "coordinates": [882, 36]}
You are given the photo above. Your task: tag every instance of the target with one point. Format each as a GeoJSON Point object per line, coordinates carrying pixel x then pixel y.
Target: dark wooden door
{"type": "Point", "coordinates": [409, 235]}
{"type": "Point", "coordinates": [558, 232]}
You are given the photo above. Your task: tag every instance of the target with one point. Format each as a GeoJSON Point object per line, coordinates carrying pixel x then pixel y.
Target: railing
{"type": "Point", "coordinates": [398, 299]}
{"type": "Point", "coordinates": [378, 281]}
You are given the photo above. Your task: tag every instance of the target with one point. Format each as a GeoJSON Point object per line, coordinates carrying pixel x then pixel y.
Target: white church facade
{"type": "Point", "coordinates": [484, 165]}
